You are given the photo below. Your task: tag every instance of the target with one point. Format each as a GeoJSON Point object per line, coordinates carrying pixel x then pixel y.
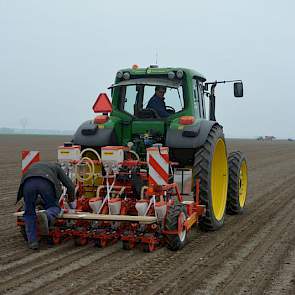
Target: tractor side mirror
{"type": "Point", "coordinates": [238, 89]}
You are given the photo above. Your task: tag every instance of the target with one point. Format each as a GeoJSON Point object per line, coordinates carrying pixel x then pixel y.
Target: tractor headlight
{"type": "Point", "coordinates": [126, 76]}
{"type": "Point", "coordinates": [171, 75]}
{"type": "Point", "coordinates": [179, 74]}
{"type": "Point", "coordinates": [119, 75]}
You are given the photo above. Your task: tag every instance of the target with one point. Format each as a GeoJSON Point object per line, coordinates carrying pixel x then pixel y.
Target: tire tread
{"type": "Point", "coordinates": [235, 160]}
{"type": "Point", "coordinates": [201, 170]}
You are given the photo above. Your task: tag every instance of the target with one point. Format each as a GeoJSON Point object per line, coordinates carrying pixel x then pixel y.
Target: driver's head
{"type": "Point", "coordinates": [160, 91]}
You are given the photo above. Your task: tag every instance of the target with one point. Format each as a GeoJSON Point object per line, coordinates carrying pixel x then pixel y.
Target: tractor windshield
{"type": "Point", "coordinates": [136, 94]}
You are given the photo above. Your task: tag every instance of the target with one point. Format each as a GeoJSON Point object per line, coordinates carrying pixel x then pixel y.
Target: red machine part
{"type": "Point", "coordinates": [106, 238]}
{"type": "Point", "coordinates": [83, 204]}
{"type": "Point", "coordinates": [149, 236]}
{"type": "Point", "coordinates": [56, 236]}
{"type": "Point", "coordinates": [101, 119]}
{"type": "Point", "coordinates": [150, 242]}
{"type": "Point", "coordinates": [129, 240]}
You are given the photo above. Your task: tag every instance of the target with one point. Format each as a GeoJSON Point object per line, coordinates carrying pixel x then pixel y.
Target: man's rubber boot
{"type": "Point", "coordinates": [34, 245]}
{"type": "Point", "coordinates": [42, 223]}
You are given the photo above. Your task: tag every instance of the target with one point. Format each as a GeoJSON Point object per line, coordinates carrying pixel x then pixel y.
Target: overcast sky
{"type": "Point", "coordinates": [56, 56]}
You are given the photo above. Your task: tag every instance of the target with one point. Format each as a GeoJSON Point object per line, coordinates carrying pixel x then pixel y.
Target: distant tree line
{"type": "Point", "coordinates": [6, 130]}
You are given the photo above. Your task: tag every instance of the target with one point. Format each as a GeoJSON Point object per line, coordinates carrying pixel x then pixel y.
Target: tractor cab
{"type": "Point", "coordinates": [145, 125]}
{"type": "Point", "coordinates": [134, 97]}
{"type": "Point", "coordinates": [133, 119]}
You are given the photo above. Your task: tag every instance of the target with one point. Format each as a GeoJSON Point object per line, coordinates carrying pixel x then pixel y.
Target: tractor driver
{"type": "Point", "coordinates": [157, 102]}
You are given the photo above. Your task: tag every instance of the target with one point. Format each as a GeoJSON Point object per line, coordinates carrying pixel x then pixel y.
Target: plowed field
{"type": "Point", "coordinates": [254, 253]}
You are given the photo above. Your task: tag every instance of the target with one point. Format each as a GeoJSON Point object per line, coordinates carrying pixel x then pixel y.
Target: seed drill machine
{"type": "Point", "coordinates": [146, 180]}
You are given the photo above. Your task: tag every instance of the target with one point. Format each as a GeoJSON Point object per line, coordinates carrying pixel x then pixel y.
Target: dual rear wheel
{"type": "Point", "coordinates": [238, 183]}
{"type": "Point", "coordinates": [223, 181]}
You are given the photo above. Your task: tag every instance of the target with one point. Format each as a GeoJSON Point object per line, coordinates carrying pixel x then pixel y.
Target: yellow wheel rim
{"type": "Point", "coordinates": [219, 179]}
{"type": "Point", "coordinates": [243, 183]}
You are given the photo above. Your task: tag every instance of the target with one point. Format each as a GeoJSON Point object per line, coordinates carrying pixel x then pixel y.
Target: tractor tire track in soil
{"type": "Point", "coordinates": [253, 253]}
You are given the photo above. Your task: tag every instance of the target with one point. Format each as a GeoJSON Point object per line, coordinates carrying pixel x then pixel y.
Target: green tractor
{"type": "Point", "coordinates": [195, 141]}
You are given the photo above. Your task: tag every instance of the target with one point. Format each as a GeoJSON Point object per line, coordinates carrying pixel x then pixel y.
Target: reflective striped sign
{"type": "Point", "coordinates": [28, 158]}
{"type": "Point", "coordinates": [158, 163]}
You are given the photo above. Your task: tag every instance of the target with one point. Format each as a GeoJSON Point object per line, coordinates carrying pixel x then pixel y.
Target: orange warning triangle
{"type": "Point", "coordinates": [102, 104]}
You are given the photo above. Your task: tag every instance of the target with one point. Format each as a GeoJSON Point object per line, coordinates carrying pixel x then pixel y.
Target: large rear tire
{"type": "Point", "coordinates": [238, 183]}
{"type": "Point", "coordinates": [211, 169]}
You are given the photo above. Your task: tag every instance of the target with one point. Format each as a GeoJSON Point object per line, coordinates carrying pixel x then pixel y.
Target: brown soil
{"type": "Point", "coordinates": [254, 253]}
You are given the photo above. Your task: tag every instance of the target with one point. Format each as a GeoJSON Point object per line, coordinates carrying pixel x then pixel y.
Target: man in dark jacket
{"type": "Point", "coordinates": [44, 180]}
{"type": "Point", "coordinates": [157, 102]}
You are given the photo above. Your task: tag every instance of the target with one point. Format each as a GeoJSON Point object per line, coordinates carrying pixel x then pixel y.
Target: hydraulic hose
{"type": "Point", "coordinates": [134, 153]}
{"type": "Point", "coordinates": [90, 165]}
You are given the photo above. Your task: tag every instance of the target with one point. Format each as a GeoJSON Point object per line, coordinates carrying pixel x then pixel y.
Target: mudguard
{"type": "Point", "coordinates": [88, 134]}
{"type": "Point", "coordinates": [190, 136]}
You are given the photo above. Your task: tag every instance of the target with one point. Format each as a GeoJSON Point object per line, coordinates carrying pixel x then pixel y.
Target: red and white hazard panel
{"type": "Point", "coordinates": [158, 163]}
{"type": "Point", "coordinates": [28, 158]}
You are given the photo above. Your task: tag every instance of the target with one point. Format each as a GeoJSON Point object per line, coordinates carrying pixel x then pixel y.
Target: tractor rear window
{"type": "Point", "coordinates": [134, 99]}
{"type": "Point", "coordinates": [173, 97]}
